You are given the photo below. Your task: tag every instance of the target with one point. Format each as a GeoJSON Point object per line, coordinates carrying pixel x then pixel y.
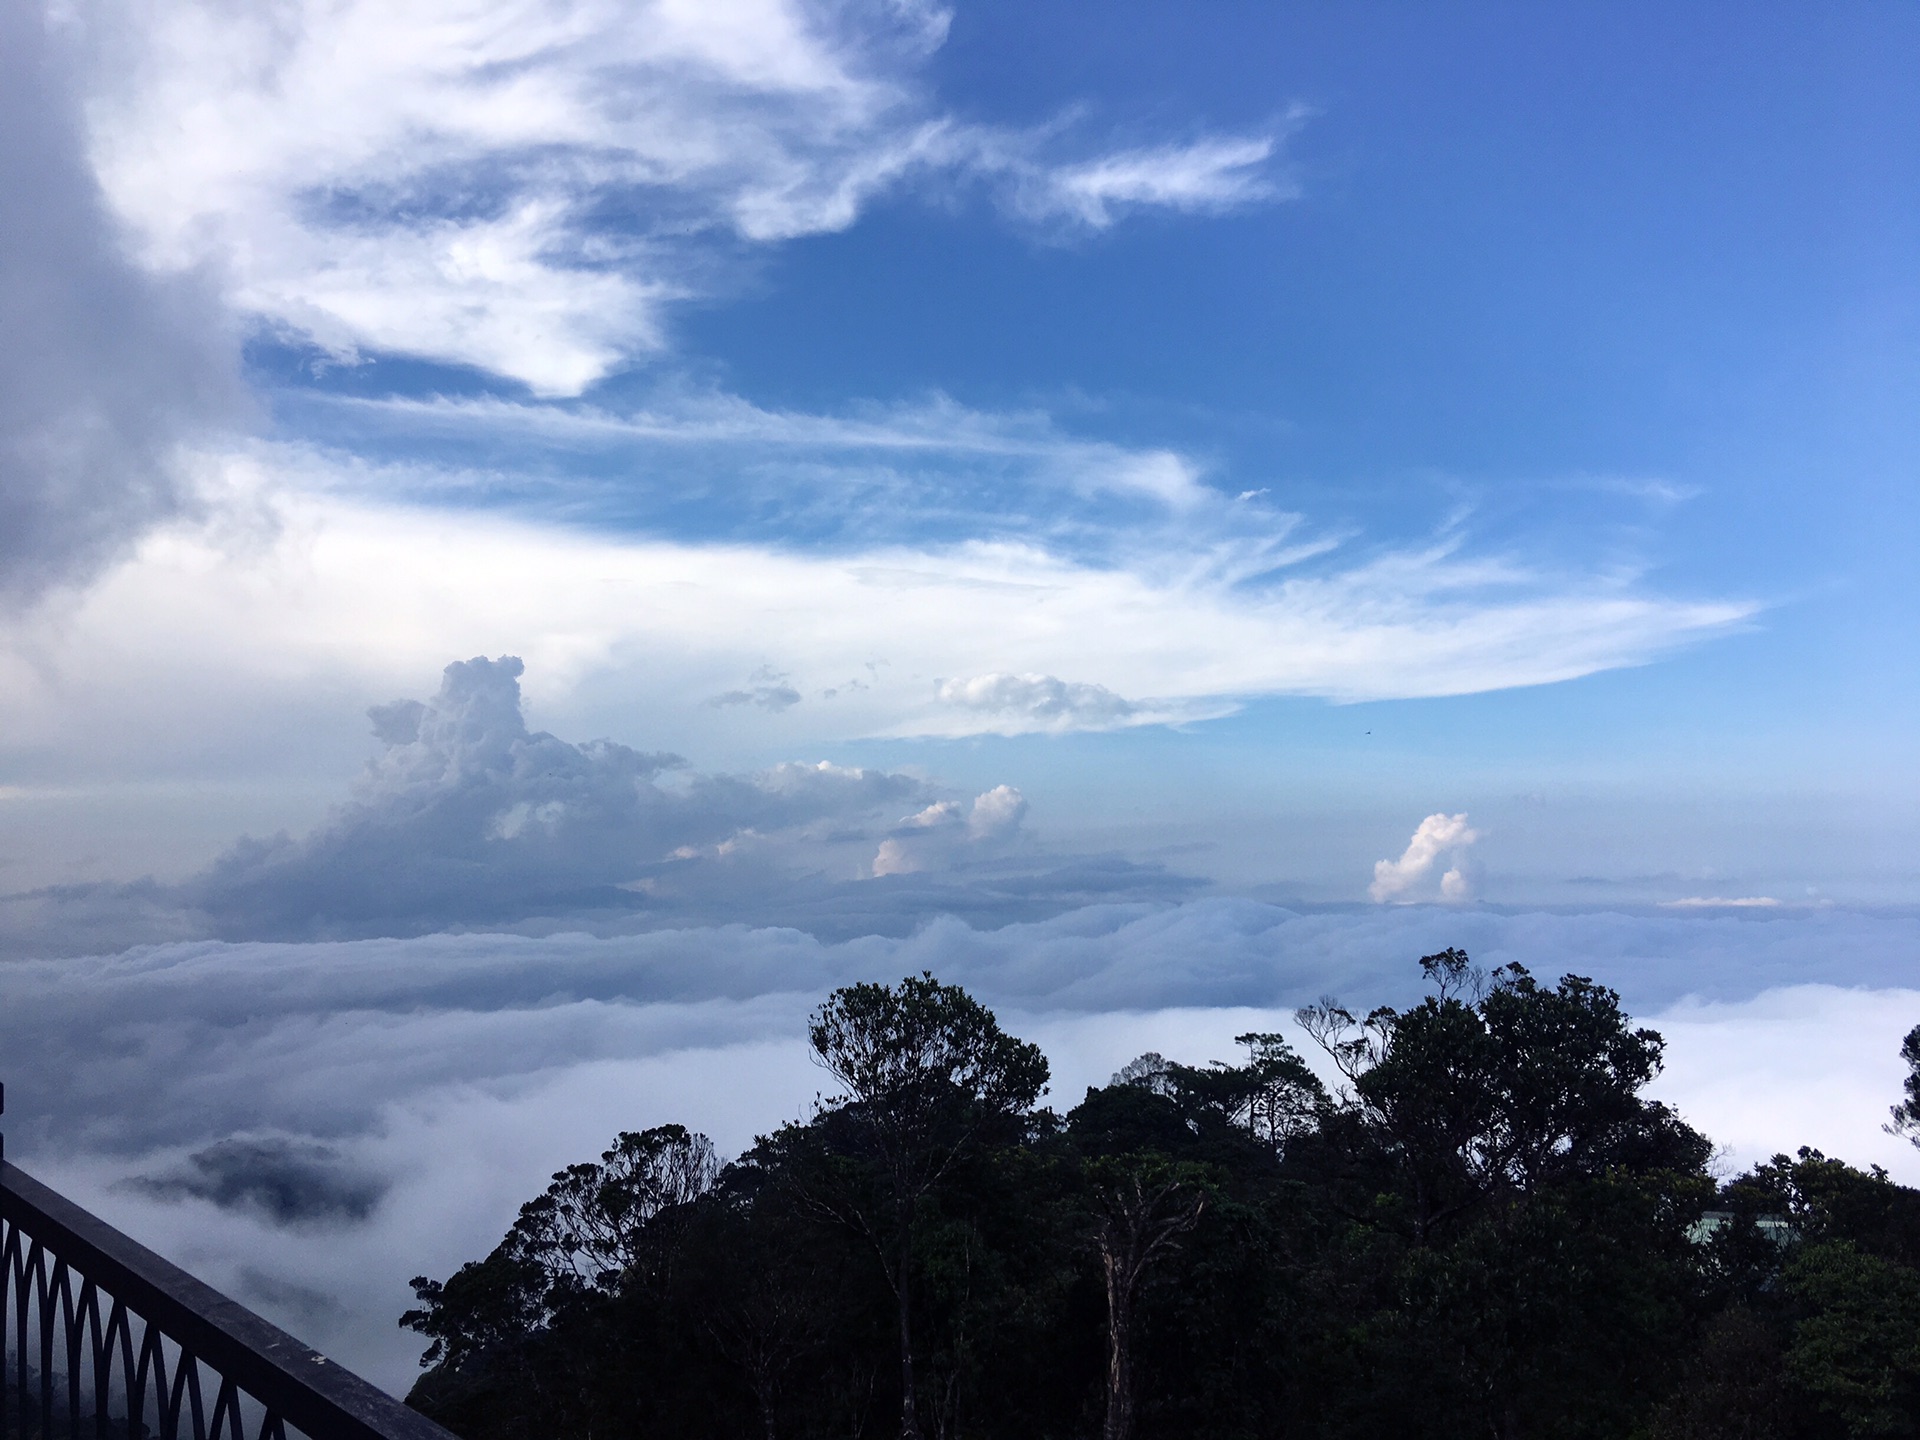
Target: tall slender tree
{"type": "Point", "coordinates": [1142, 1204]}
{"type": "Point", "coordinates": [925, 1068]}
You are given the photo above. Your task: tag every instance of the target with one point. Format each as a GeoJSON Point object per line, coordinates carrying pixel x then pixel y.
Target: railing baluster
{"type": "Point", "coordinates": [189, 1372]}
{"type": "Point", "coordinates": [9, 1258]}
{"type": "Point", "coordinates": [69, 1331]}
{"type": "Point", "coordinates": [21, 1300]}
{"type": "Point", "coordinates": [59, 1265]}
{"type": "Point", "coordinates": [102, 1373]}
{"type": "Point", "coordinates": [153, 1367]}
{"type": "Point", "coordinates": [120, 1324]}
{"type": "Point", "coordinates": [42, 1293]}
{"type": "Point", "coordinates": [226, 1411]}
{"type": "Point", "coordinates": [14, 1360]}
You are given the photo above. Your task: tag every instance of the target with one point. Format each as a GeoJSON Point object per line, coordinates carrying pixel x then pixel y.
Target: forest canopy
{"type": "Point", "coordinates": [1477, 1225]}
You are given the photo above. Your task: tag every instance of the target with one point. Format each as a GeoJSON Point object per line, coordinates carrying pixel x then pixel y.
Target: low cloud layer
{"type": "Point", "coordinates": [1719, 902]}
{"type": "Point", "coordinates": [308, 1125]}
{"type": "Point", "coordinates": [104, 371]}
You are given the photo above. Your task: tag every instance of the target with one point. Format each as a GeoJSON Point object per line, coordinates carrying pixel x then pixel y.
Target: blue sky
{"type": "Point", "coordinates": [1321, 419]}
{"type": "Point", "coordinates": [1543, 382]}
{"type": "Point", "coordinates": [1617, 290]}
{"type": "Point", "coordinates": [538, 536]}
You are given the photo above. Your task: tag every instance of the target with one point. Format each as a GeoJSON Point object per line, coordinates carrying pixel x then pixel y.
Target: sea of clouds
{"type": "Point", "coordinates": [325, 1063]}
{"type": "Point", "coordinates": [307, 1125]}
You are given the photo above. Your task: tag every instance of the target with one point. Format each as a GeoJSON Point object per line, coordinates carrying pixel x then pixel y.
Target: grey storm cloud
{"type": "Point", "coordinates": [466, 819]}
{"type": "Point", "coordinates": [104, 370]}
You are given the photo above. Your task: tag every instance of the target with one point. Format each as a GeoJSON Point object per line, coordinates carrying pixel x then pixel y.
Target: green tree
{"type": "Point", "coordinates": [1857, 1349]}
{"type": "Point", "coordinates": [1142, 1204]}
{"type": "Point", "coordinates": [1906, 1115]}
{"type": "Point", "coordinates": [589, 1226]}
{"type": "Point", "coordinates": [925, 1068]}
{"type": "Point", "coordinates": [1497, 1129]}
{"type": "Point", "coordinates": [1470, 1100]}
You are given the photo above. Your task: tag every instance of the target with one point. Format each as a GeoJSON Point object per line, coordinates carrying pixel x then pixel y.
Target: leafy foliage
{"type": "Point", "coordinates": [1484, 1228]}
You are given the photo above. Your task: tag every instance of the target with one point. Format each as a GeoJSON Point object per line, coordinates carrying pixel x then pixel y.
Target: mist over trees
{"type": "Point", "coordinates": [1482, 1228]}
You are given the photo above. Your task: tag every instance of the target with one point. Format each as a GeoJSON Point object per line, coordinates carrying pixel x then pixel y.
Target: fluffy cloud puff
{"type": "Point", "coordinates": [944, 830]}
{"type": "Point", "coordinates": [1435, 837]}
{"type": "Point", "coordinates": [308, 1125]}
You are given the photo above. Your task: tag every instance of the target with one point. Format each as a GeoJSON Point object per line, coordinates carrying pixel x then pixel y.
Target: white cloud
{"type": "Point", "coordinates": [338, 603]}
{"type": "Point", "coordinates": [1715, 902]}
{"type": "Point", "coordinates": [1436, 836]}
{"type": "Point", "coordinates": [946, 834]}
{"type": "Point", "coordinates": [1807, 1064]}
{"type": "Point", "coordinates": [452, 1074]}
{"type": "Point", "coordinates": [928, 464]}
{"type": "Point", "coordinates": [523, 187]}
{"type": "Point", "coordinates": [996, 814]}
{"type": "Point", "coordinates": [466, 817]}
{"type": "Point", "coordinates": [1209, 176]}
{"type": "Point", "coordinates": [767, 688]}
{"type": "Point", "coordinates": [104, 372]}
{"type": "Point", "coordinates": [1047, 702]}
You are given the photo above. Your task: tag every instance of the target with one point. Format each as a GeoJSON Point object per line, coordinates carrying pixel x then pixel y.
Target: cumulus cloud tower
{"type": "Point", "coordinates": [1438, 836]}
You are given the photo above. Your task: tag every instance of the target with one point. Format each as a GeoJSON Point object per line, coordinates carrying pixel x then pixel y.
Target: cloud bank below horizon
{"type": "Point", "coordinates": [306, 1125]}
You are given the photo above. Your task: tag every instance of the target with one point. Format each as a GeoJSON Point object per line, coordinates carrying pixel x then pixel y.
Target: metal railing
{"type": "Point", "coordinates": [100, 1336]}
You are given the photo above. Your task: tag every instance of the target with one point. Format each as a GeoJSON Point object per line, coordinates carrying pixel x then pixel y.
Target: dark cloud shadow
{"type": "Point", "coordinates": [285, 1181]}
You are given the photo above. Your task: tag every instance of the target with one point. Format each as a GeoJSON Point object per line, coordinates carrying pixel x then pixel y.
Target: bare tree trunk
{"type": "Point", "coordinates": [1139, 1226]}
{"type": "Point", "coordinates": [909, 1414]}
{"type": "Point", "coordinates": [1119, 1421]}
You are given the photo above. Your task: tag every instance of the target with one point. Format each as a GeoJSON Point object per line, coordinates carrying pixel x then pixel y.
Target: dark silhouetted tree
{"type": "Point", "coordinates": [1141, 1204]}
{"type": "Point", "coordinates": [925, 1067]}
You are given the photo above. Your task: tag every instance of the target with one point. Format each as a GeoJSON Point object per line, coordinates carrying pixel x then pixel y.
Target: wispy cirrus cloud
{"type": "Point", "coordinates": [526, 188]}
{"type": "Point", "coordinates": [1209, 176]}
{"type": "Point", "coordinates": [174, 651]}
{"type": "Point", "coordinates": [687, 460]}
